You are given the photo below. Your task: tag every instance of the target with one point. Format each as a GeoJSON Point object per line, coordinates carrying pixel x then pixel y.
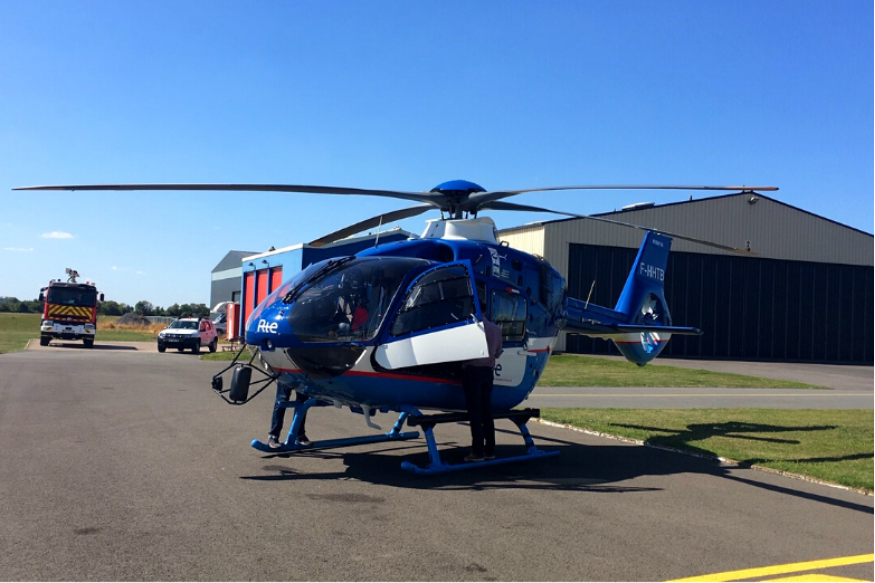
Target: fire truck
{"type": "Point", "coordinates": [70, 310]}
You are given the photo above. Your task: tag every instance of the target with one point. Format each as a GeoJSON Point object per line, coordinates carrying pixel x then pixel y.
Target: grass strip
{"type": "Point", "coordinates": [17, 329]}
{"type": "Point", "coordinates": [574, 370]}
{"type": "Point", "coordinates": [835, 445]}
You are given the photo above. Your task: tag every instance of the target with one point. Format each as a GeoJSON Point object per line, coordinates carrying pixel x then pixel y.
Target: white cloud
{"type": "Point", "coordinates": [57, 235]}
{"type": "Point", "coordinates": [19, 249]}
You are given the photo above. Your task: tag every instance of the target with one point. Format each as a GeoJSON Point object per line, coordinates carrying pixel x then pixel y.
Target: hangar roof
{"type": "Point", "coordinates": [232, 260]}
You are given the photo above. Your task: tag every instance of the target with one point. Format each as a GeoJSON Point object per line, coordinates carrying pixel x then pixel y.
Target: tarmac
{"type": "Point", "coordinates": [121, 464]}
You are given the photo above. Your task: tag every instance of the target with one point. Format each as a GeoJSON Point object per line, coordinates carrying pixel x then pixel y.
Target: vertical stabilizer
{"type": "Point", "coordinates": [643, 300]}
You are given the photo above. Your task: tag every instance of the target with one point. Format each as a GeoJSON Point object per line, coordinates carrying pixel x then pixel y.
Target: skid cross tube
{"type": "Point", "coordinates": [291, 445]}
{"type": "Point", "coordinates": [437, 466]}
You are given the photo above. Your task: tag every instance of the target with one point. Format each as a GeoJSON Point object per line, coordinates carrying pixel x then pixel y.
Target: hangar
{"type": "Point", "coordinates": [804, 294]}
{"type": "Point", "coordinates": [226, 278]}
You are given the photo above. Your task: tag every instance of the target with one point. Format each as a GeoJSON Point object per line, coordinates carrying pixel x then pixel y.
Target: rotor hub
{"type": "Point", "coordinates": [456, 193]}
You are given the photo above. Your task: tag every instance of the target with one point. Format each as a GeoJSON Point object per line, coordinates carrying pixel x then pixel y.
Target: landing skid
{"type": "Point", "coordinates": [413, 418]}
{"type": "Point", "coordinates": [437, 466]}
{"type": "Point", "coordinates": [290, 445]}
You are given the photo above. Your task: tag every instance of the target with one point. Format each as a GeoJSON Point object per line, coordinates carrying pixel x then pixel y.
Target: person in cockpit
{"type": "Point", "coordinates": [352, 305]}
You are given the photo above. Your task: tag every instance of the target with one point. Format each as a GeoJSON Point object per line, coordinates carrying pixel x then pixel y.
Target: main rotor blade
{"type": "Point", "coordinates": [303, 188]}
{"type": "Point", "coordinates": [509, 206]}
{"type": "Point", "coordinates": [668, 233]}
{"type": "Point", "coordinates": [376, 221]}
{"type": "Point", "coordinates": [499, 205]}
{"type": "Point", "coordinates": [476, 200]}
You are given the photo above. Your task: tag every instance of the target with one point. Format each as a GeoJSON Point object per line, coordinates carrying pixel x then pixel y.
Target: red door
{"type": "Point", "coordinates": [276, 278]}
{"type": "Point", "coordinates": [248, 301]}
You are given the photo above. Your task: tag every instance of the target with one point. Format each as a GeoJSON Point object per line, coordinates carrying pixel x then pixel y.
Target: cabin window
{"type": "Point", "coordinates": [509, 311]}
{"type": "Point", "coordinates": [442, 297]}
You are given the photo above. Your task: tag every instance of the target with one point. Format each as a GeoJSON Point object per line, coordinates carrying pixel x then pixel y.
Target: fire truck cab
{"type": "Point", "coordinates": [69, 311]}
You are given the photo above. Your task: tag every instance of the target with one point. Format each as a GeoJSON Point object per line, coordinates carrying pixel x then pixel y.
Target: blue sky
{"type": "Point", "coordinates": [403, 95]}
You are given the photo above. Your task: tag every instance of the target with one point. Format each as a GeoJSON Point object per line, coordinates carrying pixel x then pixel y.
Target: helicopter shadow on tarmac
{"type": "Point", "coordinates": [585, 468]}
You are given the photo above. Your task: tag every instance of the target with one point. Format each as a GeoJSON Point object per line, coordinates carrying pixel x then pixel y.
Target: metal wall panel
{"type": "Point", "coordinates": [529, 238]}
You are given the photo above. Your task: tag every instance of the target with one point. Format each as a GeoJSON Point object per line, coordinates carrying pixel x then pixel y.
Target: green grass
{"type": "Point", "coordinates": [222, 356]}
{"type": "Point", "coordinates": [572, 370]}
{"type": "Point", "coordinates": [17, 329]}
{"type": "Point", "coordinates": [831, 445]}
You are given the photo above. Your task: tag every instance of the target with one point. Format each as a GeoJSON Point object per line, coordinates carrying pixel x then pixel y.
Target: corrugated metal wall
{"type": "Point", "coordinates": [529, 238]}
{"type": "Point", "coordinates": [749, 308]}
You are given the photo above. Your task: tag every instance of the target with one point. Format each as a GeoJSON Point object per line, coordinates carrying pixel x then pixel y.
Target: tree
{"type": "Point", "coordinates": [143, 308]}
{"type": "Point", "coordinates": [199, 310]}
{"type": "Point", "coordinates": [110, 308]}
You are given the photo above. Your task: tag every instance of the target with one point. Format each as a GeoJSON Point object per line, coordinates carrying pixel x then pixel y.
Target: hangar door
{"type": "Point", "coordinates": [749, 308]}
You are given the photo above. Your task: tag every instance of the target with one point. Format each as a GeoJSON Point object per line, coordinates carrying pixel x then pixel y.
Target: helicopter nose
{"type": "Point", "coordinates": [267, 328]}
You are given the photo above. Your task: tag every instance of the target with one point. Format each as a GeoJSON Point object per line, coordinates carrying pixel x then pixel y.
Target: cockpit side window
{"type": "Point", "coordinates": [510, 312]}
{"type": "Point", "coordinates": [440, 298]}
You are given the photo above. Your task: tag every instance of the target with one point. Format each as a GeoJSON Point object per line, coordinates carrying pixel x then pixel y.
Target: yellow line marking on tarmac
{"type": "Point", "coordinates": [784, 570]}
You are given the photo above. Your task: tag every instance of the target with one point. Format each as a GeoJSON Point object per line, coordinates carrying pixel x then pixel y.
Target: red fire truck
{"type": "Point", "coordinates": [70, 310]}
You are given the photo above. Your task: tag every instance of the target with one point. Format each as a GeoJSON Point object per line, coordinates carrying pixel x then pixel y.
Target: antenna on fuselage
{"type": "Point", "coordinates": [379, 226]}
{"type": "Point", "coordinates": [589, 295]}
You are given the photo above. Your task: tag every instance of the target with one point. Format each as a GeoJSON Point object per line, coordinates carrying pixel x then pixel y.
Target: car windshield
{"type": "Point", "coordinates": [180, 324]}
{"type": "Point", "coordinates": [350, 303]}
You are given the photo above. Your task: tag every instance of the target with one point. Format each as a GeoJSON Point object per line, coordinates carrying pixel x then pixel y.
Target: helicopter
{"type": "Point", "coordinates": [387, 330]}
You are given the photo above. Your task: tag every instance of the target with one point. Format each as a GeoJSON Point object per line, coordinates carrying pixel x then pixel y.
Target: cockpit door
{"type": "Point", "coordinates": [438, 320]}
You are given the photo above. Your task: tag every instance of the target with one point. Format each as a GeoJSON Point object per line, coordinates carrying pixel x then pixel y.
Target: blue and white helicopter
{"type": "Point", "coordinates": [387, 330]}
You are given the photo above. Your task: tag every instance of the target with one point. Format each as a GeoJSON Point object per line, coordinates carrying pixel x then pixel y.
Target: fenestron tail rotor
{"type": "Point", "coordinates": [456, 198]}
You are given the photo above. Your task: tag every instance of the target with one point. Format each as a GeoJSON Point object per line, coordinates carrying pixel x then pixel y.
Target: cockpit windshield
{"type": "Point", "coordinates": [350, 301]}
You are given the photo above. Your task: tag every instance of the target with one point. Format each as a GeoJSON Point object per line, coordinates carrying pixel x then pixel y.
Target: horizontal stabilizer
{"type": "Point", "coordinates": [593, 328]}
